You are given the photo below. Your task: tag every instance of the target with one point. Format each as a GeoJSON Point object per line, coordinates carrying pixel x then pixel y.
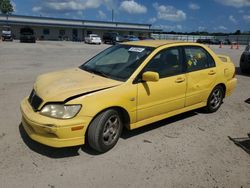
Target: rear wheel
{"type": "Point", "coordinates": [215, 99]}
{"type": "Point", "coordinates": [105, 130]}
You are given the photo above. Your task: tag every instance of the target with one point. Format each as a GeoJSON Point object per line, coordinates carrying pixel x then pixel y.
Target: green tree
{"type": "Point", "coordinates": [6, 7]}
{"type": "Point", "coordinates": [238, 32]}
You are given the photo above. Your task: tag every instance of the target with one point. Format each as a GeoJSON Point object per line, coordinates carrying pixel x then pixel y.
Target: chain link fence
{"type": "Point", "coordinates": [240, 39]}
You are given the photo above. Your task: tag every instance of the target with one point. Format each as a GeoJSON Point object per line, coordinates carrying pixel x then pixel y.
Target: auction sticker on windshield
{"type": "Point", "coordinates": [135, 49]}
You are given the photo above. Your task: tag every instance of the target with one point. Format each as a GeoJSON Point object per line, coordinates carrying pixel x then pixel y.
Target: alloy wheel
{"type": "Point", "coordinates": [111, 130]}
{"type": "Point", "coordinates": [216, 98]}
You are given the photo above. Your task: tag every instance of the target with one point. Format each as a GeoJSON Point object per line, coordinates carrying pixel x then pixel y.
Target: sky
{"type": "Point", "coordinates": [169, 15]}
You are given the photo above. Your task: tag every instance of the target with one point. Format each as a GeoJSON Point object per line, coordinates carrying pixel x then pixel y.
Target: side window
{"type": "Point", "coordinates": [197, 59]}
{"type": "Point", "coordinates": [166, 63]}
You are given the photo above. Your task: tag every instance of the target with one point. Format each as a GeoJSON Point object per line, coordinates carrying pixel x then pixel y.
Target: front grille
{"type": "Point", "coordinates": [34, 100]}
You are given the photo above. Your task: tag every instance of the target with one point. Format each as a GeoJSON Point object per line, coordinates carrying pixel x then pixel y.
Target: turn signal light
{"type": "Point", "coordinates": [77, 128]}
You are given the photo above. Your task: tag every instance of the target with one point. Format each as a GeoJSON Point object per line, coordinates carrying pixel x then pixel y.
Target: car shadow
{"type": "Point", "coordinates": [247, 101]}
{"type": "Point", "coordinates": [131, 133]}
{"type": "Point", "coordinates": [238, 72]}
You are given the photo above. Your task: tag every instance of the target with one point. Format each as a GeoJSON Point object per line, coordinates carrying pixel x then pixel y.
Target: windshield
{"type": "Point", "coordinates": [117, 62]}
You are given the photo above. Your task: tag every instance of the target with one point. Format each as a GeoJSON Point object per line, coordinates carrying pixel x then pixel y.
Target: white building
{"type": "Point", "coordinates": [71, 29]}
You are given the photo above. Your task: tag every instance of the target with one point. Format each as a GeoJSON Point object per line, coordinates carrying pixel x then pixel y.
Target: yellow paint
{"type": "Point", "coordinates": [145, 102]}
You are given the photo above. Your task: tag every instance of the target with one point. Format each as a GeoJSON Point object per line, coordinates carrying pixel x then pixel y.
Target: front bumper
{"type": "Point", "coordinates": [53, 132]}
{"type": "Point", "coordinates": [7, 37]}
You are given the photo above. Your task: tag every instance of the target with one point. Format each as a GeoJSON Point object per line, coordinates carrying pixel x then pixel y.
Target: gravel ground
{"type": "Point", "coordinates": [188, 150]}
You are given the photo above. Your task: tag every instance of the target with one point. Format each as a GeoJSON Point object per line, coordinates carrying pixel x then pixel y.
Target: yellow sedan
{"type": "Point", "coordinates": [127, 85]}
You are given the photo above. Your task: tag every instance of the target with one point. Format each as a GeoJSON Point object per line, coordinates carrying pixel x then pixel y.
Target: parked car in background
{"type": "Point", "coordinates": [226, 41]}
{"type": "Point", "coordinates": [214, 41]}
{"type": "Point", "coordinates": [245, 60]}
{"type": "Point", "coordinates": [27, 35]}
{"type": "Point", "coordinates": [7, 33]}
{"type": "Point", "coordinates": [93, 39]}
{"type": "Point", "coordinates": [203, 41]}
{"type": "Point", "coordinates": [128, 85]}
{"type": "Point", "coordinates": [131, 38]}
{"type": "Point", "coordinates": [208, 41]}
{"type": "Point", "coordinates": [112, 38]}
{"type": "Point", "coordinates": [145, 38]}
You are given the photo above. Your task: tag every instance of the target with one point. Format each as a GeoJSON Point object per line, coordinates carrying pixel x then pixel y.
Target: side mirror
{"type": "Point", "coordinates": [150, 76]}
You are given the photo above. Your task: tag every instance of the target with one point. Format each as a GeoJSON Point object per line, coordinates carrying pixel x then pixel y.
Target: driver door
{"type": "Point", "coordinates": [167, 94]}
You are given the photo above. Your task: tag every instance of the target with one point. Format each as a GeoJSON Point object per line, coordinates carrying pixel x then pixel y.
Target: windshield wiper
{"type": "Point", "coordinates": [96, 72]}
{"type": "Point", "coordinates": [100, 73]}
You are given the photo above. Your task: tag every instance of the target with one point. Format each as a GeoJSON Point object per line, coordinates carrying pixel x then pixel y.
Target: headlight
{"type": "Point", "coordinates": [60, 110]}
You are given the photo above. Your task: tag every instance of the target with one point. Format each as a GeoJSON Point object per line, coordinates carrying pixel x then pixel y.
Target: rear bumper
{"type": "Point", "coordinates": [230, 86]}
{"type": "Point", "coordinates": [53, 132]}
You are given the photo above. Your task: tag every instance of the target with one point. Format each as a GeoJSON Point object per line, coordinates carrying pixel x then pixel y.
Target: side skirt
{"type": "Point", "coordinates": [166, 115]}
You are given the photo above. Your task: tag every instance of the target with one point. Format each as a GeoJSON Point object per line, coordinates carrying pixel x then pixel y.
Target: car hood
{"type": "Point", "coordinates": [59, 86]}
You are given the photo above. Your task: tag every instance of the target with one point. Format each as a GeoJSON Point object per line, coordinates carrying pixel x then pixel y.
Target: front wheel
{"type": "Point", "coordinates": [215, 99]}
{"type": "Point", "coordinates": [105, 130]}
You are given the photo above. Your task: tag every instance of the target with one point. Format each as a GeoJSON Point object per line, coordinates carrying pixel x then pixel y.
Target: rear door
{"type": "Point", "coordinates": [201, 74]}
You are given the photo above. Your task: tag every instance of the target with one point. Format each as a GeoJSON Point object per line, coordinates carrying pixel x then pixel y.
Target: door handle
{"type": "Point", "coordinates": [179, 80]}
{"type": "Point", "coordinates": [212, 72]}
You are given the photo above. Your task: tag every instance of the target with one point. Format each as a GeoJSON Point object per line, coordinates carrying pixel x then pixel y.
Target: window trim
{"type": "Point", "coordinates": [199, 47]}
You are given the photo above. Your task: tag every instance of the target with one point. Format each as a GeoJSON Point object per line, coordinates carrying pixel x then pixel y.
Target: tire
{"type": "Point", "coordinates": [215, 99]}
{"type": "Point", "coordinates": [105, 130]}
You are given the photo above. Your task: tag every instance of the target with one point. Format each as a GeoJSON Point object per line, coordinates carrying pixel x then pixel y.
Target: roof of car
{"type": "Point", "coordinates": [154, 43]}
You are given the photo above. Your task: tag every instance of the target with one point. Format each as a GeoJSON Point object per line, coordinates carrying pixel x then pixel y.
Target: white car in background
{"type": "Point", "coordinates": [93, 39]}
